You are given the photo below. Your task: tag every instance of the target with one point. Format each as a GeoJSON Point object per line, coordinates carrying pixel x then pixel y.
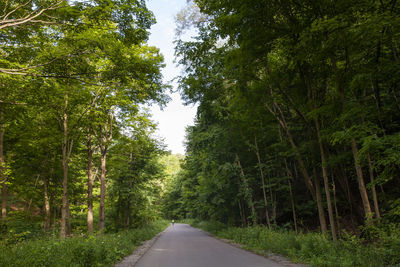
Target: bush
{"type": "Point", "coordinates": [85, 250]}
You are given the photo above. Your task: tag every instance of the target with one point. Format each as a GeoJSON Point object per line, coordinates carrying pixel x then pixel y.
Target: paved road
{"type": "Point", "coordinates": [184, 246]}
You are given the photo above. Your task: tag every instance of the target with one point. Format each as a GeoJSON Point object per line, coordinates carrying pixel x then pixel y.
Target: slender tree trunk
{"type": "Point", "coordinates": [360, 180]}
{"type": "Point", "coordinates": [243, 214]}
{"type": "Point", "coordinates": [54, 219]}
{"type": "Point", "coordinates": [374, 196]}
{"type": "Point", "coordinates": [66, 154]}
{"type": "Point", "coordinates": [263, 183]}
{"type": "Point", "coordinates": [271, 196]}
{"type": "Point", "coordinates": [290, 177]}
{"type": "Point", "coordinates": [4, 196]}
{"type": "Point", "coordinates": [293, 206]}
{"type": "Point", "coordinates": [336, 209]}
{"type": "Point", "coordinates": [90, 184]}
{"type": "Point", "coordinates": [321, 213]}
{"type": "Point", "coordinates": [247, 191]}
{"type": "Point", "coordinates": [3, 177]}
{"type": "Point", "coordinates": [69, 226]}
{"type": "Point", "coordinates": [104, 139]}
{"type": "Point", "coordinates": [354, 148]}
{"type": "Point", "coordinates": [64, 211]}
{"type": "Point", "coordinates": [128, 204]}
{"type": "Point", "coordinates": [102, 187]}
{"type": "Point", "coordinates": [46, 205]}
{"type": "Point", "coordinates": [281, 120]}
{"type": "Point", "coordinates": [326, 181]}
{"type": "Point", "coordinates": [240, 213]}
{"type": "Point", "coordinates": [274, 207]}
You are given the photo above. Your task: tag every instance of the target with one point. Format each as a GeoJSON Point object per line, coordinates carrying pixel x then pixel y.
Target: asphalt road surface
{"type": "Point", "coordinates": [185, 246]}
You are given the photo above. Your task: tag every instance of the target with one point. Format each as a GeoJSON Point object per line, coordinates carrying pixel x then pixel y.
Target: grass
{"type": "Point", "coordinates": [84, 250]}
{"type": "Point", "coordinates": [312, 248]}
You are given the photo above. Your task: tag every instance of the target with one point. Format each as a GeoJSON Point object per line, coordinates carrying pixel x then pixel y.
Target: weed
{"type": "Point", "coordinates": [86, 250]}
{"type": "Point", "coordinates": [315, 249]}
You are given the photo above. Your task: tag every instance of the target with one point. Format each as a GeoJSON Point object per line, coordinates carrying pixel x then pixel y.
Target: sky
{"type": "Point", "coordinates": [173, 119]}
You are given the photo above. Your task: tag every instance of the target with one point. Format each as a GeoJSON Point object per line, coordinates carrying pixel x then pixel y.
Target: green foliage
{"type": "Point", "coordinates": [91, 250]}
{"type": "Point", "coordinates": [79, 70]}
{"type": "Point", "coordinates": [313, 248]}
{"type": "Point", "coordinates": [290, 93]}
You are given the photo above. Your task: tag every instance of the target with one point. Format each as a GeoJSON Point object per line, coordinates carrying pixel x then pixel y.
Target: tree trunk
{"type": "Point", "coordinates": [3, 177]}
{"type": "Point", "coordinates": [354, 148]}
{"type": "Point", "coordinates": [336, 209]}
{"type": "Point", "coordinates": [263, 183]}
{"type": "Point", "coordinates": [106, 136]}
{"type": "Point", "coordinates": [290, 177]}
{"type": "Point", "coordinates": [274, 206]}
{"type": "Point", "coordinates": [128, 204]}
{"type": "Point", "coordinates": [299, 159]}
{"type": "Point", "coordinates": [66, 153]}
{"type": "Point", "coordinates": [90, 184]}
{"type": "Point", "coordinates": [46, 205]}
{"type": "Point", "coordinates": [374, 196]}
{"type": "Point", "coordinates": [247, 191]}
{"type": "Point", "coordinates": [293, 206]}
{"type": "Point", "coordinates": [102, 187]}
{"type": "Point", "coordinates": [242, 214]}
{"type": "Point", "coordinates": [326, 181]}
{"type": "Point", "coordinates": [4, 196]}
{"type": "Point", "coordinates": [320, 206]}
{"type": "Point", "coordinates": [321, 213]}
{"type": "Point", "coordinates": [360, 180]}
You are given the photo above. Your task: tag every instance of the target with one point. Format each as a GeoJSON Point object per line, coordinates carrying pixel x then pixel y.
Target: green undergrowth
{"type": "Point", "coordinates": [85, 250]}
{"type": "Point", "coordinates": [312, 248]}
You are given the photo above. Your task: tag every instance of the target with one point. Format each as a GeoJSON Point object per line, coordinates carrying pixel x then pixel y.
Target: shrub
{"type": "Point", "coordinates": [84, 250]}
{"type": "Point", "coordinates": [315, 249]}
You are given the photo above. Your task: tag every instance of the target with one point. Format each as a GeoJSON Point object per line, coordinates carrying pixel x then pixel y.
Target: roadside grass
{"type": "Point", "coordinates": [85, 250]}
{"type": "Point", "coordinates": [312, 248]}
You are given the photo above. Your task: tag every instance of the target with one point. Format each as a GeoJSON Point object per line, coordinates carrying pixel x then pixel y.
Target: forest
{"type": "Point", "coordinates": [297, 129]}
{"type": "Point", "coordinates": [299, 116]}
{"type": "Point", "coordinates": [74, 127]}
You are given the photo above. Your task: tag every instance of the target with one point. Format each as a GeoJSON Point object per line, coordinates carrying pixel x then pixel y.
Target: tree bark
{"type": "Point", "coordinates": [243, 214]}
{"type": "Point", "coordinates": [336, 209]}
{"type": "Point", "coordinates": [102, 186]}
{"type": "Point", "coordinates": [354, 148]}
{"type": "Point", "coordinates": [4, 196]}
{"type": "Point", "coordinates": [263, 183]}
{"type": "Point", "coordinates": [247, 191]}
{"type": "Point", "coordinates": [293, 206]}
{"type": "Point", "coordinates": [321, 213]}
{"type": "Point", "coordinates": [374, 196]}
{"type": "Point", "coordinates": [46, 205]}
{"type": "Point", "coordinates": [281, 120]}
{"type": "Point", "coordinates": [360, 180]}
{"type": "Point", "coordinates": [128, 204]}
{"type": "Point", "coordinates": [290, 177]}
{"type": "Point", "coordinates": [90, 184]}
{"type": "Point", "coordinates": [66, 154]}
{"type": "Point", "coordinates": [106, 136]}
{"type": "Point", "coordinates": [326, 181]}
{"type": "Point", "coordinates": [3, 177]}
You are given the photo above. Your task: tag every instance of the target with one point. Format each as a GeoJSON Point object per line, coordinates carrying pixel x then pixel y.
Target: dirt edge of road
{"type": "Point", "coordinates": [271, 256]}
{"type": "Point", "coordinates": [139, 251]}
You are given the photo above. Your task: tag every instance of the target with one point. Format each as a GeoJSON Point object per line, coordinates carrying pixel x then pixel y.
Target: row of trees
{"type": "Point", "coordinates": [298, 118]}
{"type": "Point", "coordinates": [73, 78]}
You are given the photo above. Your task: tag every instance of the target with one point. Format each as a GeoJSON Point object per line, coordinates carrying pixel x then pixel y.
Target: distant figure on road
{"type": "Point", "coordinates": [172, 223]}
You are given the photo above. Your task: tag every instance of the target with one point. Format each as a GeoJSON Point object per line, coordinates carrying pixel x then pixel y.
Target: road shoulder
{"type": "Point", "coordinates": [268, 255]}
{"type": "Point", "coordinates": [139, 251]}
